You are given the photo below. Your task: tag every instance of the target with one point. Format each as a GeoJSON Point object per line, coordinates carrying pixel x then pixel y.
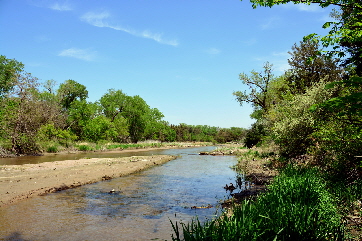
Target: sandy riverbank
{"type": "Point", "coordinates": [18, 182]}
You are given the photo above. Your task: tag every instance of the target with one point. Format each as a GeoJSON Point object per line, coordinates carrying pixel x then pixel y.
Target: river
{"type": "Point", "coordinates": [141, 207]}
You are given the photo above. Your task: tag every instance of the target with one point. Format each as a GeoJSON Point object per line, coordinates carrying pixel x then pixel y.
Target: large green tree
{"type": "Point", "coordinates": [9, 71]}
{"type": "Point", "coordinates": [79, 114]}
{"type": "Point", "coordinates": [114, 103]}
{"type": "Point", "coordinates": [117, 105]}
{"type": "Point", "coordinates": [309, 66]}
{"type": "Point", "coordinates": [23, 113]}
{"type": "Point", "coordinates": [257, 95]}
{"type": "Point", "coordinates": [138, 113]}
{"type": "Point", "coordinates": [70, 91]}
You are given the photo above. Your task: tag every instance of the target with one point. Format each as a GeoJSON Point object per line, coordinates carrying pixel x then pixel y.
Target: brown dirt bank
{"type": "Point", "coordinates": [19, 182]}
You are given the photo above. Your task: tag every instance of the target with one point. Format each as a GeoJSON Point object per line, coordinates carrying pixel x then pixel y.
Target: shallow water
{"type": "Point", "coordinates": [140, 208]}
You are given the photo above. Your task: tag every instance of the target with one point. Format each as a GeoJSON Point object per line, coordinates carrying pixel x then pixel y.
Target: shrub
{"type": "Point", "coordinates": [85, 148]}
{"type": "Point", "coordinates": [100, 128]}
{"type": "Point", "coordinates": [254, 135]}
{"type": "Point", "coordinates": [50, 133]}
{"type": "Point", "coordinates": [292, 123]}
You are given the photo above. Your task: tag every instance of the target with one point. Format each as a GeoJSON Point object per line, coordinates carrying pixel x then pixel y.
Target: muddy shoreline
{"type": "Point", "coordinates": [19, 182]}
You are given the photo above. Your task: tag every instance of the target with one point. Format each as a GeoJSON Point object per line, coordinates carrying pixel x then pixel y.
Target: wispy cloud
{"type": "Point", "coordinates": [278, 59]}
{"type": "Point", "coordinates": [270, 23]}
{"type": "Point", "coordinates": [249, 42]}
{"type": "Point", "coordinates": [83, 54]}
{"type": "Point", "coordinates": [213, 51]}
{"type": "Point", "coordinates": [100, 20]}
{"type": "Point", "coordinates": [304, 7]}
{"type": "Point", "coordinates": [42, 38]}
{"type": "Point", "coordinates": [284, 54]}
{"type": "Point", "coordinates": [61, 6]}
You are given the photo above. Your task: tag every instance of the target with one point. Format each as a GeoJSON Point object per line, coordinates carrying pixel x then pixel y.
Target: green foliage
{"type": "Point", "coordinates": [225, 135]}
{"type": "Point", "coordinates": [9, 69]}
{"type": "Point", "coordinates": [100, 128]}
{"type": "Point", "coordinates": [309, 66]}
{"type": "Point", "coordinates": [134, 109]}
{"type": "Point", "coordinates": [85, 148]}
{"type": "Point", "coordinates": [292, 123]}
{"type": "Point", "coordinates": [49, 132]}
{"type": "Point", "coordinates": [336, 148]}
{"type": "Point", "coordinates": [254, 135]}
{"type": "Point", "coordinates": [297, 206]}
{"type": "Point", "coordinates": [204, 133]}
{"type": "Point", "coordinates": [52, 149]}
{"type": "Point", "coordinates": [22, 115]}
{"type": "Point", "coordinates": [80, 113]}
{"type": "Point", "coordinates": [121, 129]}
{"type": "Point", "coordinates": [137, 115]}
{"type": "Point", "coordinates": [70, 91]}
{"type": "Point", "coordinates": [258, 84]}
{"type": "Point", "coordinates": [347, 107]}
{"type": "Point", "coordinates": [34, 119]}
{"type": "Point", "coordinates": [114, 103]}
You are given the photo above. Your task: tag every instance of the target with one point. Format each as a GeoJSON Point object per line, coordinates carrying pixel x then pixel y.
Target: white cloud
{"type": "Point", "coordinates": [99, 20]}
{"type": "Point", "coordinates": [61, 6]}
{"type": "Point", "coordinates": [82, 54]}
{"type": "Point", "coordinates": [42, 38]}
{"type": "Point", "coordinates": [54, 5]}
{"type": "Point", "coordinates": [281, 66]}
{"type": "Point", "coordinates": [250, 42]}
{"type": "Point", "coordinates": [213, 51]}
{"type": "Point", "coordinates": [278, 59]}
{"type": "Point", "coordinates": [284, 54]}
{"type": "Point", "coordinates": [304, 7]}
{"type": "Point", "coordinates": [270, 23]}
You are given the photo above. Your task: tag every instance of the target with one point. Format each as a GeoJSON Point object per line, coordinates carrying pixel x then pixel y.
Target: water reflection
{"type": "Point", "coordinates": [140, 208]}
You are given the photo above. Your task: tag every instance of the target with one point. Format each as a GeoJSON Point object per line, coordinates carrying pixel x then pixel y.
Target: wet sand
{"type": "Point", "coordinates": [19, 182]}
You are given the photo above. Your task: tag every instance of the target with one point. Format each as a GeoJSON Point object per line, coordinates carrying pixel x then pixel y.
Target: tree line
{"type": "Point", "coordinates": [35, 115]}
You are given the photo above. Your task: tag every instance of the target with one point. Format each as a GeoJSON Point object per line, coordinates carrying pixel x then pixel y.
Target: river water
{"type": "Point", "coordinates": [141, 207]}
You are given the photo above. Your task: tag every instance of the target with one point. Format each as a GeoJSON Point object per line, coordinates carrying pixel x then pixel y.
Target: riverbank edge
{"type": "Point", "coordinates": [20, 182]}
{"type": "Point", "coordinates": [85, 147]}
{"type": "Point", "coordinates": [258, 171]}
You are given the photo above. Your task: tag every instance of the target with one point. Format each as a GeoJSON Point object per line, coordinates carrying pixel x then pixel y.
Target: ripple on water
{"type": "Point", "coordinates": [140, 208]}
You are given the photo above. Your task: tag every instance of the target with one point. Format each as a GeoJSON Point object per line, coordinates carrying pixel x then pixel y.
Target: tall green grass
{"type": "Point", "coordinates": [297, 206]}
{"type": "Point", "coordinates": [85, 148]}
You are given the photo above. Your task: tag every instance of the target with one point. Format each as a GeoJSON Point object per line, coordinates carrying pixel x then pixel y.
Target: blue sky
{"type": "Point", "coordinates": [183, 57]}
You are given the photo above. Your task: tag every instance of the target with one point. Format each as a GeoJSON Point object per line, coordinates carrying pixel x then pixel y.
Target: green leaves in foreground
{"type": "Point", "coordinates": [296, 207]}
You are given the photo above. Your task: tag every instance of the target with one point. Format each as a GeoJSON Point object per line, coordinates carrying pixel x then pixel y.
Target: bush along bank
{"type": "Point", "coordinates": [297, 206]}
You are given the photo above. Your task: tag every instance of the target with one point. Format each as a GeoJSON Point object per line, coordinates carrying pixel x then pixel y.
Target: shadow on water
{"type": "Point", "coordinates": [135, 207]}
